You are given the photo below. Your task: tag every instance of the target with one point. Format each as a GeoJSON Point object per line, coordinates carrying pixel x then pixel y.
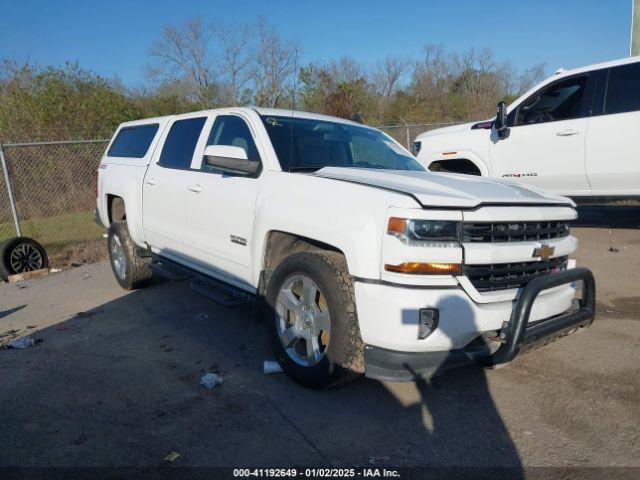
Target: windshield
{"type": "Point", "coordinates": [307, 145]}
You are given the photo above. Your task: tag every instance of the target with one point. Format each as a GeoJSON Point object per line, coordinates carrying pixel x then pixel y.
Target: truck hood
{"type": "Point", "coordinates": [446, 189]}
{"type": "Point", "coordinates": [463, 127]}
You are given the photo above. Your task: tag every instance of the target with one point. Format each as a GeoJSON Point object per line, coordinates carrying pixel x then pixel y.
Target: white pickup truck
{"type": "Point", "coordinates": [363, 261]}
{"type": "Point", "coordinates": [575, 134]}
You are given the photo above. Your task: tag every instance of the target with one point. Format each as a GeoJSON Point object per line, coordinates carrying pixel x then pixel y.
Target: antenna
{"type": "Point", "coordinates": [293, 105]}
{"type": "Point", "coordinates": [295, 78]}
{"type": "Point", "coordinates": [634, 42]}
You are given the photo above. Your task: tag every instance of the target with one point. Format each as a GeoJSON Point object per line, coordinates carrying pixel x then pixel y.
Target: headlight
{"type": "Point", "coordinates": [425, 233]}
{"type": "Point", "coordinates": [416, 148]}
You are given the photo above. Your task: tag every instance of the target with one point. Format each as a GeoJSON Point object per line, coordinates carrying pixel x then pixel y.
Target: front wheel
{"type": "Point", "coordinates": [130, 269]}
{"type": "Point", "coordinates": [312, 316]}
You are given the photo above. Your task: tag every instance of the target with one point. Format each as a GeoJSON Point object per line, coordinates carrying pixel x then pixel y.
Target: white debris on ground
{"type": "Point", "coordinates": [21, 342]}
{"type": "Point", "coordinates": [210, 380]}
{"type": "Point", "coordinates": [271, 366]}
{"type": "Point", "coordinates": [15, 337]}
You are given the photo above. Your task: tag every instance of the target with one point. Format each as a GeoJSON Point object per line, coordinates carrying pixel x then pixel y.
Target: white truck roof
{"type": "Point", "coordinates": [280, 112]}
{"type": "Point", "coordinates": [597, 66]}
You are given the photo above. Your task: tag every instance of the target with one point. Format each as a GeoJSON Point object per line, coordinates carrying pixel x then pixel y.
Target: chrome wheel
{"type": "Point", "coordinates": [304, 323]}
{"type": "Point", "coordinates": [118, 258]}
{"type": "Point", "coordinates": [25, 258]}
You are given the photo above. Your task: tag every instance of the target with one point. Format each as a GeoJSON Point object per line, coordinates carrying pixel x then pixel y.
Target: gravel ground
{"type": "Point", "coordinates": [115, 382]}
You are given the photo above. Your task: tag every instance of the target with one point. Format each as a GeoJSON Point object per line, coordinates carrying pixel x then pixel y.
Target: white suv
{"type": "Point", "coordinates": [575, 134]}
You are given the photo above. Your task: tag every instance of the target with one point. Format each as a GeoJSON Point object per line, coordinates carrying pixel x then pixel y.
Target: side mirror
{"type": "Point", "coordinates": [229, 159]}
{"type": "Point", "coordinates": [501, 120]}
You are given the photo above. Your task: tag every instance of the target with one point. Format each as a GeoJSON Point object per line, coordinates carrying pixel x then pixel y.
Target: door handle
{"type": "Point", "coordinates": [194, 188]}
{"type": "Point", "coordinates": [567, 132]}
{"type": "Point", "coordinates": [150, 181]}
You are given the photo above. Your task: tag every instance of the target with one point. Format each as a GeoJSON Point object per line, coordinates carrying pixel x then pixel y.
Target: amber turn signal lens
{"type": "Point", "coordinates": [417, 268]}
{"type": "Point", "coordinates": [396, 226]}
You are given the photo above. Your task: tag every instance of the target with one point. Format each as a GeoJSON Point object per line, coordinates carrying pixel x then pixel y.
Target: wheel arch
{"type": "Point", "coordinates": [280, 244]}
{"type": "Point", "coordinates": [455, 165]}
{"type": "Point", "coordinates": [461, 158]}
{"type": "Point", "coordinates": [116, 208]}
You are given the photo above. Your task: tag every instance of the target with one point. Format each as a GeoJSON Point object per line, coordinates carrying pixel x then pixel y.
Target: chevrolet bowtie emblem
{"type": "Point", "coordinates": [544, 252]}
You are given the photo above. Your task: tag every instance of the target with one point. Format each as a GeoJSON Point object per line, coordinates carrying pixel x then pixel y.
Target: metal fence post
{"type": "Point", "coordinates": [408, 138]}
{"type": "Point", "coordinates": [12, 200]}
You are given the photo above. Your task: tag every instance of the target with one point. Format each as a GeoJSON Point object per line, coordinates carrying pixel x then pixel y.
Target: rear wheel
{"type": "Point", "coordinates": [313, 320]}
{"type": "Point", "coordinates": [21, 255]}
{"type": "Point", "coordinates": [129, 267]}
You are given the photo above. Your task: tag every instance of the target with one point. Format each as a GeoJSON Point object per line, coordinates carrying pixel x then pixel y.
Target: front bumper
{"type": "Point", "coordinates": [518, 335]}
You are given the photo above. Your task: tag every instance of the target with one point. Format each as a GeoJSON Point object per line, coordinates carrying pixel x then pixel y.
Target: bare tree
{"type": "Point", "coordinates": [479, 81]}
{"type": "Point", "coordinates": [237, 64]}
{"type": "Point", "coordinates": [207, 65]}
{"type": "Point", "coordinates": [273, 67]}
{"type": "Point", "coordinates": [183, 55]}
{"type": "Point", "coordinates": [235, 61]}
{"type": "Point", "coordinates": [388, 74]}
{"type": "Point", "coordinates": [432, 79]}
{"type": "Point", "coordinates": [346, 70]}
{"type": "Point", "coordinates": [530, 77]}
{"type": "Point", "coordinates": [508, 78]}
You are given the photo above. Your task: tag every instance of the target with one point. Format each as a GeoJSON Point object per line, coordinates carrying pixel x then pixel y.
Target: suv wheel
{"type": "Point", "coordinates": [313, 321]}
{"type": "Point", "coordinates": [130, 269]}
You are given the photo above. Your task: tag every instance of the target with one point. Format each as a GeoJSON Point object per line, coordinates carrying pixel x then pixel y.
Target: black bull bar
{"type": "Point", "coordinates": [516, 336]}
{"type": "Point", "coordinates": [519, 333]}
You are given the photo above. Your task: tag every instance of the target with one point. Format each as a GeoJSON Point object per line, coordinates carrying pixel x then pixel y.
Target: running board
{"type": "Point", "coordinates": [170, 270]}
{"type": "Point", "coordinates": [215, 290]}
{"type": "Point", "coordinates": [220, 292]}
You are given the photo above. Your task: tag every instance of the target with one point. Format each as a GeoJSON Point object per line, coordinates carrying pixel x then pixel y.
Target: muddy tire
{"type": "Point", "coordinates": [311, 314]}
{"type": "Point", "coordinates": [130, 269]}
{"type": "Point", "coordinates": [20, 255]}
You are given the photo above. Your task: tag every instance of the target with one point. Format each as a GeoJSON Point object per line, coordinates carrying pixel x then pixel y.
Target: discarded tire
{"type": "Point", "coordinates": [20, 255]}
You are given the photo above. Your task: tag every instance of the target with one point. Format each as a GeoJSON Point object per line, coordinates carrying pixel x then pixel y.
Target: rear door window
{"type": "Point", "coordinates": [623, 89]}
{"type": "Point", "coordinates": [134, 141]}
{"type": "Point", "coordinates": [181, 141]}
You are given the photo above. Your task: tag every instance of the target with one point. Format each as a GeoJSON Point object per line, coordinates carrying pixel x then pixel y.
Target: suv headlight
{"type": "Point", "coordinates": [426, 233]}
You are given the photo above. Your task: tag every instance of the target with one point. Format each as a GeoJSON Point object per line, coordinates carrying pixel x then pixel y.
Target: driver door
{"type": "Point", "coordinates": [221, 206]}
{"type": "Point", "coordinates": [546, 142]}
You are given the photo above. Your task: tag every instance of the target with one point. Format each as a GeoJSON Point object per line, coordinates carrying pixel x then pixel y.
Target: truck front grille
{"type": "Point", "coordinates": [514, 231]}
{"type": "Point", "coordinates": [503, 276]}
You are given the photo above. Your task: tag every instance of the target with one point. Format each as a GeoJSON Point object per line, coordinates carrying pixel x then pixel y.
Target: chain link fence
{"type": "Point", "coordinates": [53, 186]}
{"type": "Point", "coordinates": [406, 134]}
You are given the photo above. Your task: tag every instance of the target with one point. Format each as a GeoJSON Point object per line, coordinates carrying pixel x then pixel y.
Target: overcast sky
{"type": "Point", "coordinates": [113, 37]}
